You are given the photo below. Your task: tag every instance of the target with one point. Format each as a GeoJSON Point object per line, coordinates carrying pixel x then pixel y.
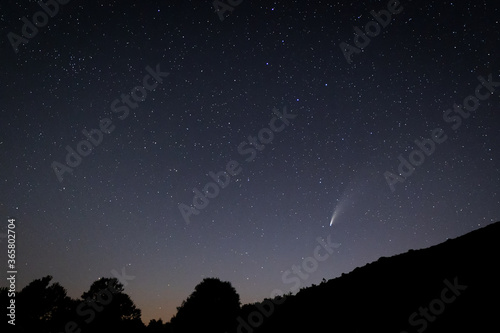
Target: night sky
{"type": "Point", "coordinates": [214, 98]}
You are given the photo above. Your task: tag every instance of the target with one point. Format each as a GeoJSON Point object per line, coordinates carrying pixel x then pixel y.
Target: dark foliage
{"type": "Point", "coordinates": [212, 307]}
{"type": "Point", "coordinates": [113, 309]}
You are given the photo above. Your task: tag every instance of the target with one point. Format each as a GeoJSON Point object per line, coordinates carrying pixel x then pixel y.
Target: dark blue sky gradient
{"type": "Point", "coordinates": [119, 208]}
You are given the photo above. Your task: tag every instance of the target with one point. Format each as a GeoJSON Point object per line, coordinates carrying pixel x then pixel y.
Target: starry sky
{"type": "Point", "coordinates": [216, 82]}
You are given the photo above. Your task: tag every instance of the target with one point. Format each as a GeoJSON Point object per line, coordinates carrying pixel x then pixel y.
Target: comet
{"type": "Point", "coordinates": [333, 218]}
{"type": "Point", "coordinates": [364, 180]}
{"type": "Point", "coordinates": [338, 209]}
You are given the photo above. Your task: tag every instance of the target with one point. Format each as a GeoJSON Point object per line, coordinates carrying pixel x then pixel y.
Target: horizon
{"type": "Point", "coordinates": [285, 292]}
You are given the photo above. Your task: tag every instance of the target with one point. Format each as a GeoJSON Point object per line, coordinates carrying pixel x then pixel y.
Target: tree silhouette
{"type": "Point", "coordinates": [158, 326]}
{"type": "Point", "coordinates": [106, 308]}
{"type": "Point", "coordinates": [212, 307]}
{"type": "Point", "coordinates": [42, 307]}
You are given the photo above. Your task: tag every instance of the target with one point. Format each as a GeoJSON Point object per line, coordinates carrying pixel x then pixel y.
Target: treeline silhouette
{"type": "Point", "coordinates": [450, 287]}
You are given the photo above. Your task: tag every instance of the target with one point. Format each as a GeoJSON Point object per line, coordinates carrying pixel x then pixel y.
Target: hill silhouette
{"type": "Point", "coordinates": [450, 287]}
